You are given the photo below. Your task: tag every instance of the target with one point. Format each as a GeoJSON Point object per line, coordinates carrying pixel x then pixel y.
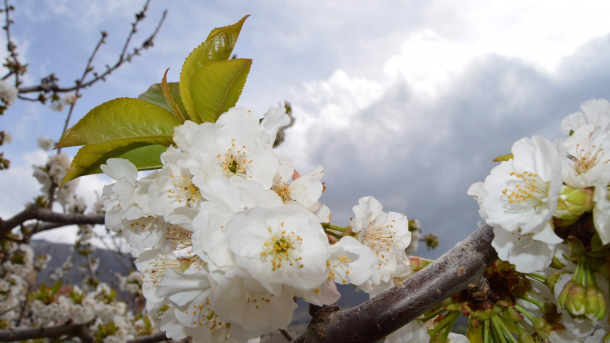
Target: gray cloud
{"type": "Point", "coordinates": [425, 168]}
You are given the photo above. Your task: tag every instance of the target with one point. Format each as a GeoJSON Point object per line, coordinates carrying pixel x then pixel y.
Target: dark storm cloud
{"type": "Point", "coordinates": [442, 147]}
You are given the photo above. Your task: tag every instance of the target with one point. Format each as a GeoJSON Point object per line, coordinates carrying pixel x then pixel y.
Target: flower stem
{"type": "Point", "coordinates": [334, 234]}
{"type": "Point", "coordinates": [451, 316]}
{"type": "Point", "coordinates": [537, 277]}
{"type": "Point", "coordinates": [499, 333]}
{"type": "Point", "coordinates": [533, 301]}
{"type": "Point", "coordinates": [486, 338]}
{"type": "Point", "coordinates": [433, 314]}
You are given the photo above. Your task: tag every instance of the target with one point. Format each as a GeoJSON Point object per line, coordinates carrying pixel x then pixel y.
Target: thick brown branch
{"type": "Point", "coordinates": [47, 216]}
{"type": "Point", "coordinates": [71, 330]}
{"type": "Point", "coordinates": [386, 313]}
{"type": "Point", "coordinates": [158, 337]}
{"type": "Point", "coordinates": [34, 333]}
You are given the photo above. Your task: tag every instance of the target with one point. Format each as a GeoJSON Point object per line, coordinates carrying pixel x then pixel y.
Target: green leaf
{"type": "Point", "coordinates": [56, 287]}
{"type": "Point", "coordinates": [217, 47]}
{"type": "Point", "coordinates": [502, 158]}
{"type": "Point", "coordinates": [119, 119]}
{"type": "Point", "coordinates": [596, 243]}
{"type": "Point", "coordinates": [167, 94]}
{"type": "Point", "coordinates": [143, 152]}
{"type": "Point", "coordinates": [154, 95]}
{"type": "Point", "coordinates": [217, 86]}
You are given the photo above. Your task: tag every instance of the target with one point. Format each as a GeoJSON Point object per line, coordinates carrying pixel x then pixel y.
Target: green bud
{"type": "Point", "coordinates": [525, 337]}
{"type": "Point", "coordinates": [596, 307]}
{"type": "Point", "coordinates": [572, 203]}
{"type": "Point", "coordinates": [563, 296]}
{"type": "Point", "coordinates": [552, 280]}
{"type": "Point", "coordinates": [512, 315]}
{"type": "Point", "coordinates": [575, 301]}
{"type": "Point", "coordinates": [418, 263]}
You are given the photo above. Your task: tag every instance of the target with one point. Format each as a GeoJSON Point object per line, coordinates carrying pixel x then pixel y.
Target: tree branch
{"type": "Point", "coordinates": [15, 65]}
{"type": "Point", "coordinates": [123, 57]}
{"type": "Point", "coordinates": [47, 215]}
{"type": "Point", "coordinates": [388, 312]}
{"type": "Point", "coordinates": [35, 333]}
{"type": "Point", "coordinates": [78, 330]}
{"type": "Point", "coordinates": [158, 337]}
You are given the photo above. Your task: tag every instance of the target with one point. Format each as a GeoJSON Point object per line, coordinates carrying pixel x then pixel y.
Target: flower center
{"type": "Point", "coordinates": [185, 190]}
{"type": "Point", "coordinates": [587, 159]}
{"type": "Point", "coordinates": [282, 190]}
{"type": "Point", "coordinates": [142, 224]}
{"type": "Point", "coordinates": [235, 161]}
{"type": "Point", "coordinates": [281, 248]}
{"type": "Point", "coordinates": [528, 190]}
{"type": "Point", "coordinates": [178, 237]}
{"type": "Point", "coordinates": [379, 238]}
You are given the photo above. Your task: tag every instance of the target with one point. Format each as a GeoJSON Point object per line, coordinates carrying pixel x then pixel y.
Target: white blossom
{"type": "Point", "coordinates": [8, 93]}
{"type": "Point", "coordinates": [522, 192]}
{"type": "Point", "coordinates": [595, 112]}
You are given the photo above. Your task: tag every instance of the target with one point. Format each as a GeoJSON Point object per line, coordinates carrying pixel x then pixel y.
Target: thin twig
{"type": "Point", "coordinates": [286, 334]}
{"type": "Point", "coordinates": [88, 68]}
{"type": "Point", "coordinates": [24, 305]}
{"type": "Point", "coordinates": [10, 46]}
{"type": "Point", "coordinates": [126, 57]}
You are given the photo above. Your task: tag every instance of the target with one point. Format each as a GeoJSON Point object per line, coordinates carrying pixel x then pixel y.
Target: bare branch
{"type": "Point", "coordinates": [88, 69]}
{"type": "Point", "coordinates": [124, 57]}
{"type": "Point", "coordinates": [71, 330]}
{"type": "Point", "coordinates": [386, 313]}
{"type": "Point", "coordinates": [47, 215]}
{"type": "Point", "coordinates": [286, 334]}
{"type": "Point", "coordinates": [158, 337]}
{"type": "Point", "coordinates": [13, 62]}
{"type": "Point", "coordinates": [34, 333]}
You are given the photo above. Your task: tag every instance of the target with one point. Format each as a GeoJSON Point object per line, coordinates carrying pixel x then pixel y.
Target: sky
{"type": "Point", "coordinates": [406, 101]}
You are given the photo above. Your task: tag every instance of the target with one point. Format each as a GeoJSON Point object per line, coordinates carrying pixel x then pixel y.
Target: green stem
{"type": "Point", "coordinates": [338, 228]}
{"type": "Point", "coordinates": [433, 314]}
{"type": "Point", "coordinates": [486, 338]}
{"type": "Point", "coordinates": [334, 234]}
{"type": "Point", "coordinates": [537, 277]}
{"type": "Point", "coordinates": [591, 276]}
{"type": "Point", "coordinates": [443, 323]}
{"type": "Point", "coordinates": [533, 301]}
{"type": "Point", "coordinates": [504, 330]}
{"type": "Point", "coordinates": [523, 311]}
{"type": "Point", "coordinates": [499, 333]}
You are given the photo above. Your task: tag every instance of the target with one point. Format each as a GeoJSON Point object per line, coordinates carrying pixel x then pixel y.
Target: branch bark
{"type": "Point", "coordinates": [47, 215]}
{"type": "Point", "coordinates": [72, 330]}
{"type": "Point", "coordinates": [35, 333]}
{"type": "Point", "coordinates": [388, 312]}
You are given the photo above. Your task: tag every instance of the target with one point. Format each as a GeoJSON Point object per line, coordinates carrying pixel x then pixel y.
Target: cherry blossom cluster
{"type": "Point", "coordinates": [227, 234]}
{"type": "Point", "coordinates": [14, 270]}
{"type": "Point", "coordinates": [50, 176]}
{"type": "Point", "coordinates": [106, 316]}
{"type": "Point", "coordinates": [549, 205]}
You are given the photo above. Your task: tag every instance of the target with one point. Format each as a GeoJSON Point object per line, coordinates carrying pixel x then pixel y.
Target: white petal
{"type": "Point", "coordinates": [275, 119]}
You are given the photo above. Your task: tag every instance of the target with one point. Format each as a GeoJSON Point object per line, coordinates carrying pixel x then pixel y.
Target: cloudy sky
{"type": "Point", "coordinates": [406, 101]}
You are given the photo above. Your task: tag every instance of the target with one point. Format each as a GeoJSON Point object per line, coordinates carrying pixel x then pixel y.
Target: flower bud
{"type": "Point", "coordinates": [418, 263]}
{"type": "Point", "coordinates": [512, 315]}
{"type": "Point", "coordinates": [525, 337]}
{"type": "Point", "coordinates": [595, 305]}
{"type": "Point", "coordinates": [575, 300]}
{"type": "Point", "coordinates": [573, 202]}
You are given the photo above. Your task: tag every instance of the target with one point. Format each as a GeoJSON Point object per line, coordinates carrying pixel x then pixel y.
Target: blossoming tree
{"type": "Point", "coordinates": [227, 234]}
